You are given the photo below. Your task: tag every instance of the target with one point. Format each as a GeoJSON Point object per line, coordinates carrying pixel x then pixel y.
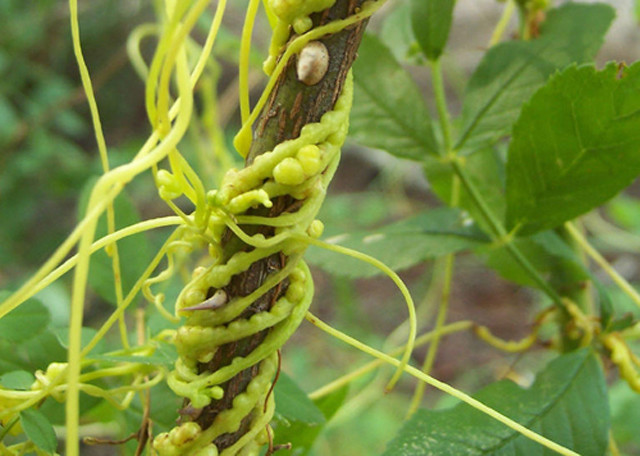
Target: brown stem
{"type": "Point", "coordinates": [292, 105]}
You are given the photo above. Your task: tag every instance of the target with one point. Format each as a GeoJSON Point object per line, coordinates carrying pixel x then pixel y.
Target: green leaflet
{"type": "Point", "coordinates": [511, 72]}
{"type": "Point", "coordinates": [567, 404]}
{"type": "Point", "coordinates": [400, 245]}
{"type": "Point", "coordinates": [39, 430]}
{"type": "Point", "coordinates": [25, 322]}
{"type": "Point", "coordinates": [431, 21]}
{"type": "Point", "coordinates": [574, 147]}
{"type": "Point", "coordinates": [388, 110]}
{"type": "Point", "coordinates": [17, 380]}
{"type": "Point", "coordinates": [302, 434]}
{"type": "Point", "coordinates": [293, 403]}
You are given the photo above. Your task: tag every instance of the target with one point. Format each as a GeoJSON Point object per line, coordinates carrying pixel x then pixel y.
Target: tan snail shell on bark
{"type": "Point", "coordinates": [313, 63]}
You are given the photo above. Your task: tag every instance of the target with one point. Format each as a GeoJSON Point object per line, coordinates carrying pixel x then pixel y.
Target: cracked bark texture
{"type": "Point", "coordinates": [292, 105]}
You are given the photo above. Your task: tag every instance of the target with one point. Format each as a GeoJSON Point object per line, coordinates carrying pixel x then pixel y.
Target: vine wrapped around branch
{"type": "Point", "coordinates": [243, 306]}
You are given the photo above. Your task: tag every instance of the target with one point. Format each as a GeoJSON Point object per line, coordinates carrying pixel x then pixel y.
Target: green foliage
{"type": "Point", "coordinates": [567, 403]}
{"type": "Point", "coordinates": [25, 322]}
{"type": "Point", "coordinates": [293, 403]}
{"type": "Point", "coordinates": [18, 380]}
{"type": "Point", "coordinates": [511, 72]}
{"type": "Point", "coordinates": [388, 110]}
{"type": "Point", "coordinates": [542, 138]}
{"type": "Point", "coordinates": [486, 172]}
{"type": "Point", "coordinates": [402, 244]}
{"type": "Point", "coordinates": [574, 146]}
{"type": "Point", "coordinates": [547, 251]}
{"type": "Point", "coordinates": [39, 430]}
{"type": "Point", "coordinates": [301, 429]}
{"type": "Point", "coordinates": [431, 22]}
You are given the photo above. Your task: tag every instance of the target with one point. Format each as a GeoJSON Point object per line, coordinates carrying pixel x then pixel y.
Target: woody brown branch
{"type": "Point", "coordinates": [291, 105]}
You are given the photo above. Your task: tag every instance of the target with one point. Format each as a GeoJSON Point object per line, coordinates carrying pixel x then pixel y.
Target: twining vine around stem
{"type": "Point", "coordinates": [243, 306]}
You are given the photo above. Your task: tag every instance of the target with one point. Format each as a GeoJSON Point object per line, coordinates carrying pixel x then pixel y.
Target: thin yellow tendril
{"type": "Point", "coordinates": [399, 283]}
{"type": "Point", "coordinates": [422, 340]}
{"type": "Point", "coordinates": [603, 263]}
{"type": "Point", "coordinates": [245, 49]}
{"type": "Point", "coordinates": [442, 387]}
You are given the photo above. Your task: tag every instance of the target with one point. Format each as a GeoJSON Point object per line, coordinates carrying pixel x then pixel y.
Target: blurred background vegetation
{"type": "Point", "coordinates": [48, 156]}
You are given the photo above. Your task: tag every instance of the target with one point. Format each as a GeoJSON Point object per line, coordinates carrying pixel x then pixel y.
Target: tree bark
{"type": "Point", "coordinates": [292, 105]}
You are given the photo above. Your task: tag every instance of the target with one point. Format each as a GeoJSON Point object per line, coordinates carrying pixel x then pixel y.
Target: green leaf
{"type": "Point", "coordinates": [39, 430]}
{"type": "Point", "coordinates": [567, 404]}
{"type": "Point", "coordinates": [574, 147]}
{"type": "Point", "coordinates": [134, 251]}
{"type": "Point", "coordinates": [431, 21]}
{"type": "Point", "coordinates": [10, 359]}
{"type": "Point", "coordinates": [511, 72]}
{"type": "Point", "coordinates": [400, 245]}
{"type": "Point", "coordinates": [17, 380]}
{"type": "Point", "coordinates": [44, 349]}
{"type": "Point", "coordinates": [293, 404]}
{"type": "Point", "coordinates": [302, 434]}
{"type": "Point", "coordinates": [24, 322]}
{"type": "Point", "coordinates": [388, 111]}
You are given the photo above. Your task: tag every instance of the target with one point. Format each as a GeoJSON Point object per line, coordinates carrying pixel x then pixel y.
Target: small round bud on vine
{"type": "Point", "coordinates": [309, 158]}
{"type": "Point", "coordinates": [289, 172]}
{"type": "Point", "coordinates": [315, 229]}
{"type": "Point", "coordinates": [209, 450]}
{"type": "Point", "coordinates": [184, 433]}
{"type": "Point", "coordinates": [206, 357]}
{"type": "Point", "coordinates": [313, 63]}
{"type": "Point", "coordinates": [295, 292]}
{"type": "Point", "coordinates": [297, 275]}
{"type": "Point", "coordinates": [302, 24]}
{"type": "Point", "coordinates": [216, 393]}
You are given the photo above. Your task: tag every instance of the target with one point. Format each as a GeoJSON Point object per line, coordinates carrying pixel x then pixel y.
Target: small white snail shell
{"type": "Point", "coordinates": [313, 63]}
{"type": "Point", "coordinates": [218, 299]}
